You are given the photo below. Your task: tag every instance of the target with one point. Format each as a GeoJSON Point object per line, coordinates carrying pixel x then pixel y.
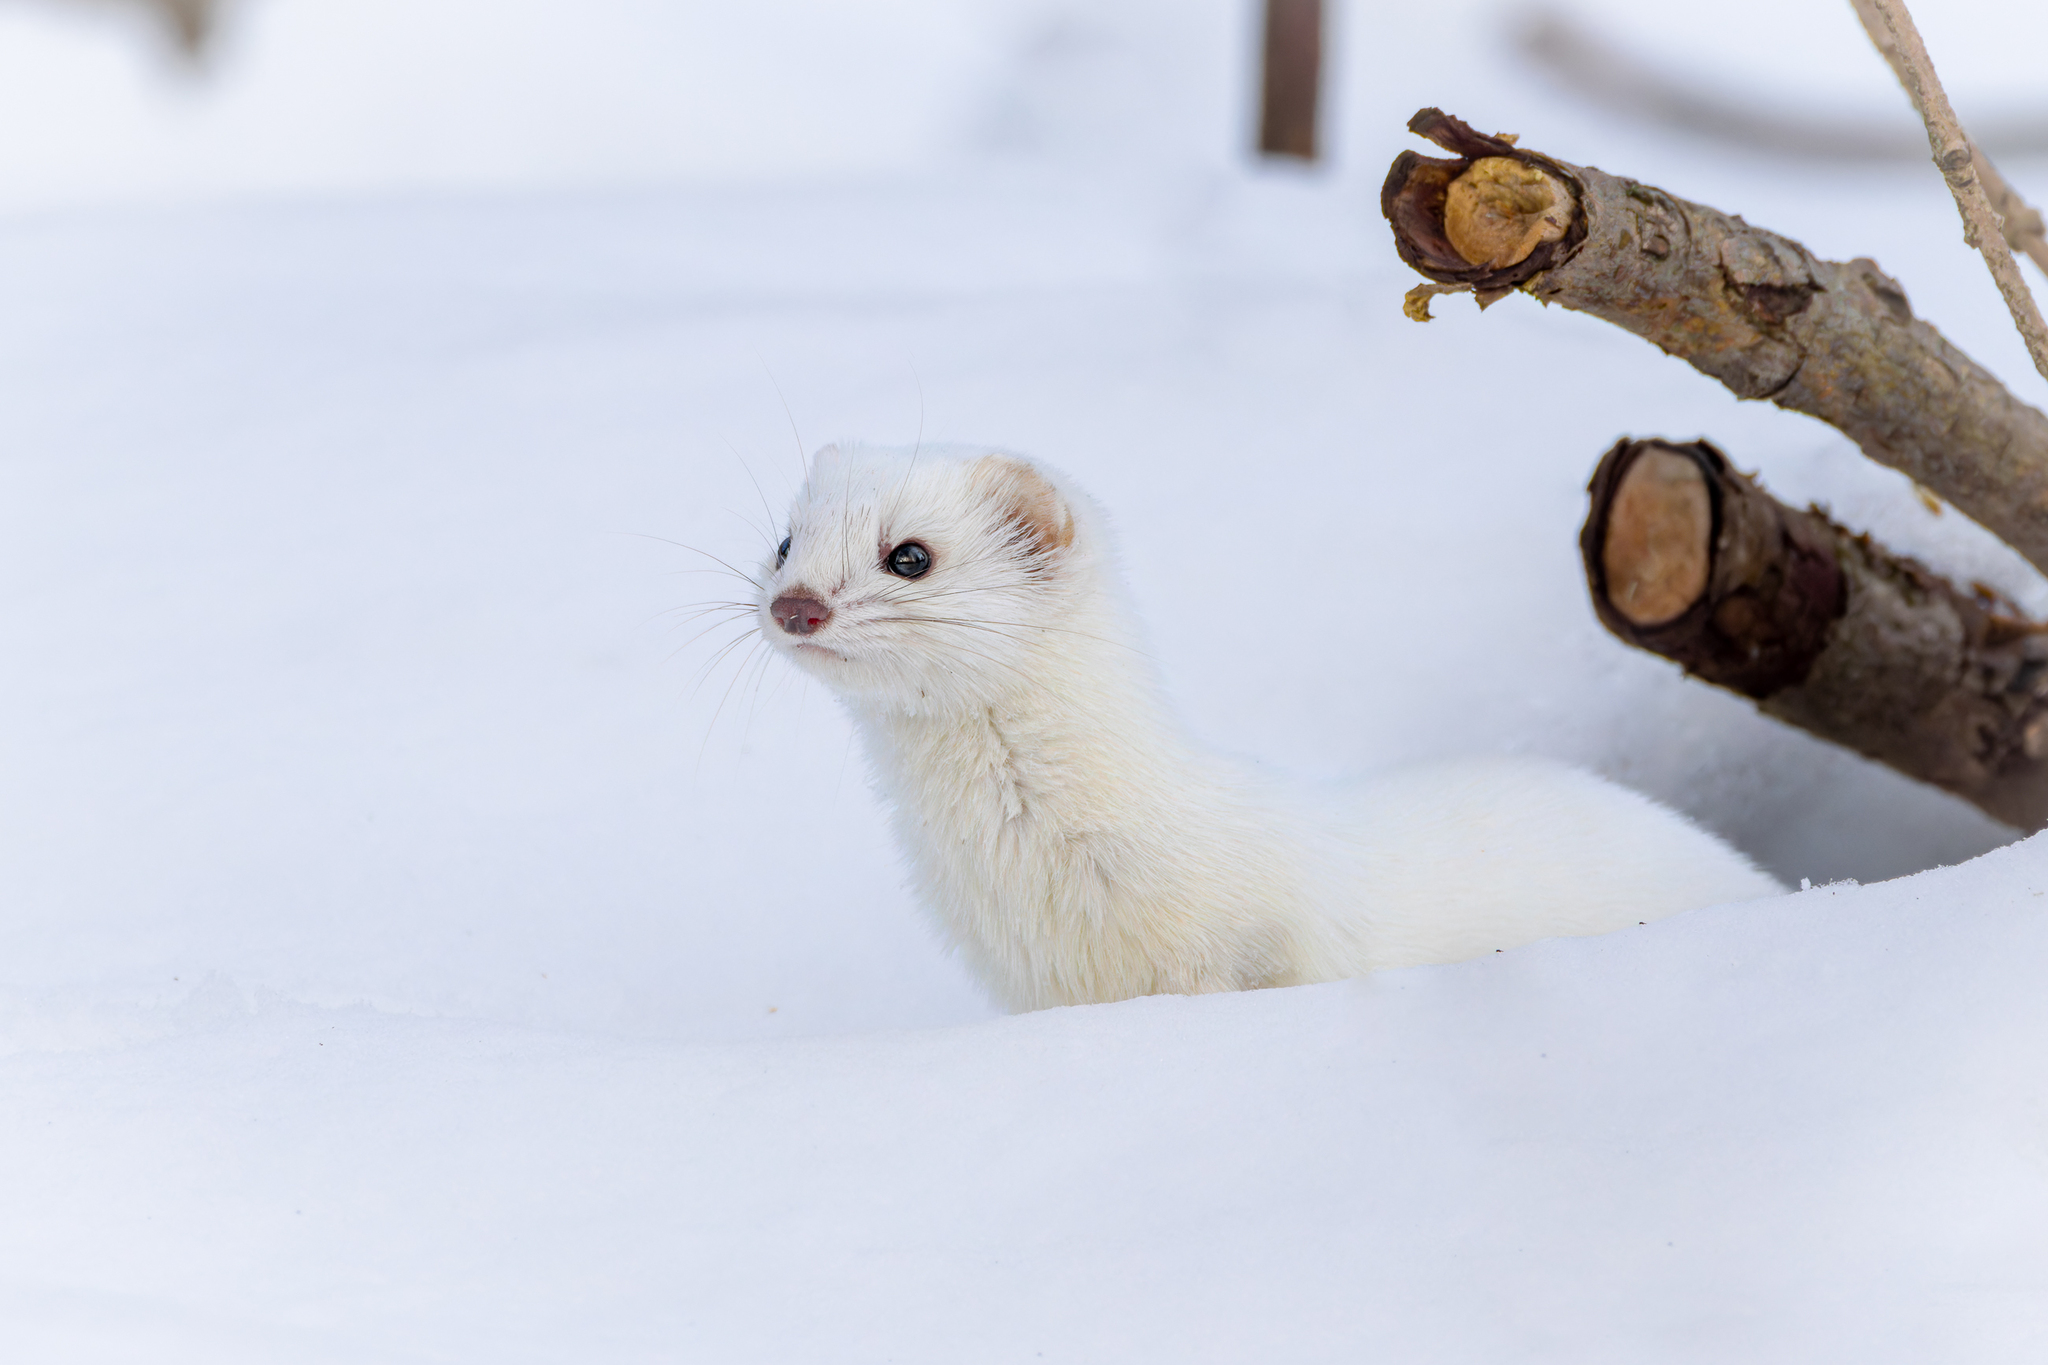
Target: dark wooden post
{"type": "Point", "coordinates": [1293, 77]}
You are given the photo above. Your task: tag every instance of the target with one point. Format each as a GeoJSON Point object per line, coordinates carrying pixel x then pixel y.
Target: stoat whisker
{"type": "Point", "coordinates": [730, 612]}
{"type": "Point", "coordinates": [678, 573]}
{"type": "Point", "coordinates": [895, 500]}
{"type": "Point", "coordinates": [704, 673]}
{"type": "Point", "coordinates": [737, 573]}
{"type": "Point", "coordinates": [711, 606]}
{"type": "Point", "coordinates": [992, 627]}
{"type": "Point", "coordinates": [1026, 562]}
{"type": "Point", "coordinates": [791, 416]}
{"type": "Point", "coordinates": [690, 643]}
{"type": "Point", "coordinates": [759, 491]}
{"type": "Point", "coordinates": [941, 621]}
{"type": "Point", "coordinates": [911, 595]}
{"type": "Point", "coordinates": [891, 537]}
{"type": "Point", "coordinates": [747, 520]}
{"type": "Point", "coordinates": [988, 624]}
{"type": "Point", "coordinates": [1006, 665]}
{"type": "Point", "coordinates": [710, 665]}
{"type": "Point", "coordinates": [697, 609]}
{"type": "Point", "coordinates": [715, 625]}
{"type": "Point", "coordinates": [723, 698]}
{"type": "Point", "coordinates": [760, 661]}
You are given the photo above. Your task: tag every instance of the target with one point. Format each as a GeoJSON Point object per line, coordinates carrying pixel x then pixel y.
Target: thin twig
{"type": "Point", "coordinates": [1959, 166]}
{"type": "Point", "coordinates": [2024, 230]}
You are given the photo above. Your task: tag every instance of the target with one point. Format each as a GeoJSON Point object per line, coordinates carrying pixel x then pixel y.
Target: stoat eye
{"type": "Point", "coordinates": [782, 552]}
{"type": "Point", "coordinates": [909, 560]}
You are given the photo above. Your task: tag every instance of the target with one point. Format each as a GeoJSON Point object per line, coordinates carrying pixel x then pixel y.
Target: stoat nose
{"type": "Point", "coordinates": [799, 615]}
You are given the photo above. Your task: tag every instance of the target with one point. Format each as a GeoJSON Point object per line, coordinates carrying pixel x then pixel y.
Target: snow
{"type": "Point", "coordinates": [1792, 1130]}
{"type": "Point", "coordinates": [417, 947]}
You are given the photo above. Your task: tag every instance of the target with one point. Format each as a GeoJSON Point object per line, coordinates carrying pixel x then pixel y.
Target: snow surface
{"type": "Point", "coordinates": [414, 946]}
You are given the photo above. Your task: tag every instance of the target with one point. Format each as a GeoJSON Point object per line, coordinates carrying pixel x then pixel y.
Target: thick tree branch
{"type": "Point", "coordinates": [1824, 629]}
{"type": "Point", "coordinates": [1757, 311]}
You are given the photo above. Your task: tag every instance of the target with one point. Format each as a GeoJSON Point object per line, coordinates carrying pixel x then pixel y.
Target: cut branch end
{"type": "Point", "coordinates": [1490, 218]}
{"type": "Point", "coordinates": [1823, 629]}
{"type": "Point", "coordinates": [1660, 531]}
{"type": "Point", "coordinates": [1502, 209]}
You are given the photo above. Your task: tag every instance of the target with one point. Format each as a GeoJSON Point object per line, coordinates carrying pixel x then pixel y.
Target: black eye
{"type": "Point", "coordinates": [782, 553]}
{"type": "Point", "coordinates": [909, 560]}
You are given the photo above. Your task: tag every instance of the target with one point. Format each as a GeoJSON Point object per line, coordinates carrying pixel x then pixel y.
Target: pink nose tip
{"type": "Point", "coordinates": [799, 615]}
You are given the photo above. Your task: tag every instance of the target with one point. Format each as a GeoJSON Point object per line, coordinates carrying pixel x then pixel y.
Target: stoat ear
{"type": "Point", "coordinates": [826, 457]}
{"type": "Point", "coordinates": [1026, 500]}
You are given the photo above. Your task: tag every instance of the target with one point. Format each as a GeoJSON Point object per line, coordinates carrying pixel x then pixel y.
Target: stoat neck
{"type": "Point", "coordinates": [1075, 847]}
{"type": "Point", "coordinates": [1082, 743]}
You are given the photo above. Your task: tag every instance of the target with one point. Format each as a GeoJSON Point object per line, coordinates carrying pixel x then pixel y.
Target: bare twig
{"type": "Point", "coordinates": [2023, 228]}
{"type": "Point", "coordinates": [1982, 228]}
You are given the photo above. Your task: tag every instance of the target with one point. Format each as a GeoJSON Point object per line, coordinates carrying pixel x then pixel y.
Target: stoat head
{"type": "Point", "coordinates": [928, 579]}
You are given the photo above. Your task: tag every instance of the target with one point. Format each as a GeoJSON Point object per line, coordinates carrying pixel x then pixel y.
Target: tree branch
{"type": "Point", "coordinates": [2021, 222]}
{"type": "Point", "coordinates": [1822, 628]}
{"type": "Point", "coordinates": [1757, 311]}
{"type": "Point", "coordinates": [1959, 163]}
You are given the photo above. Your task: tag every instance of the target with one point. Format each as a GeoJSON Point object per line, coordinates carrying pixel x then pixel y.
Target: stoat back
{"type": "Point", "coordinates": [1475, 855]}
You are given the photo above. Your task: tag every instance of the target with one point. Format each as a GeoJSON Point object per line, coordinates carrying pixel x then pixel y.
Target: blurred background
{"type": "Point", "coordinates": [126, 100]}
{"type": "Point", "coordinates": [366, 368]}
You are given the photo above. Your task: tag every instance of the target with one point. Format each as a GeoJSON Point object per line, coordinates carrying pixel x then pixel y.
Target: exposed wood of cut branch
{"type": "Point", "coordinates": [1982, 227]}
{"type": "Point", "coordinates": [1757, 311]}
{"type": "Point", "coordinates": [2020, 221]}
{"type": "Point", "coordinates": [1824, 629]}
{"type": "Point", "coordinates": [1293, 70]}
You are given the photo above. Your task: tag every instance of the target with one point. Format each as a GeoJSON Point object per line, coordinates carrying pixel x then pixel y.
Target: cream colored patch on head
{"type": "Point", "coordinates": [1034, 506]}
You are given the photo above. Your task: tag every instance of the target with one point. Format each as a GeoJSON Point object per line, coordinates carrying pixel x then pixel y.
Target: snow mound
{"type": "Point", "coordinates": [1790, 1130]}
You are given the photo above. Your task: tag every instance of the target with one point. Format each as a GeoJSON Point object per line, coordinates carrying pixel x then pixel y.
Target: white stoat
{"type": "Point", "coordinates": [1077, 847]}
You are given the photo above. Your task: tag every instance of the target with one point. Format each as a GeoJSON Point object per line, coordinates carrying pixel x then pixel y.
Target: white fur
{"type": "Point", "coordinates": [1077, 847]}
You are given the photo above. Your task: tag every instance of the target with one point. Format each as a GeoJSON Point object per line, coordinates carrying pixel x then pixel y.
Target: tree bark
{"type": "Point", "coordinates": [1757, 311]}
{"type": "Point", "coordinates": [1822, 628]}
